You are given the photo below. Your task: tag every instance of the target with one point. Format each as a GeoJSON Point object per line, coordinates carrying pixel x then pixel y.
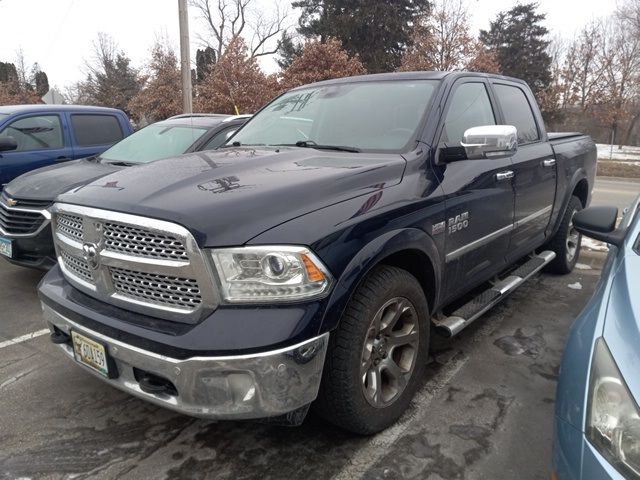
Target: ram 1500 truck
{"type": "Point", "coordinates": [306, 262]}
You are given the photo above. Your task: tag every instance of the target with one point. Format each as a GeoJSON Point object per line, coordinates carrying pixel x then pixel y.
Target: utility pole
{"type": "Point", "coordinates": [185, 56]}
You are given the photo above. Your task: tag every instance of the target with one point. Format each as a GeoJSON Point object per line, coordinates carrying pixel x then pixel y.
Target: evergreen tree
{"type": "Point", "coordinates": [8, 72]}
{"type": "Point", "coordinates": [378, 31]}
{"type": "Point", "coordinates": [205, 59]}
{"type": "Point", "coordinates": [288, 50]}
{"type": "Point", "coordinates": [39, 80]}
{"type": "Point", "coordinates": [518, 39]}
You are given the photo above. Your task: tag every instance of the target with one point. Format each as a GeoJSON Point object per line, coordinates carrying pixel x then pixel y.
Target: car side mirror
{"type": "Point", "coordinates": [8, 143]}
{"type": "Point", "coordinates": [490, 141]}
{"type": "Point", "coordinates": [599, 223]}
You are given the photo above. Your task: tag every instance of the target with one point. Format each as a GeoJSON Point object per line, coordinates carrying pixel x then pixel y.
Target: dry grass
{"type": "Point", "coordinates": [618, 169]}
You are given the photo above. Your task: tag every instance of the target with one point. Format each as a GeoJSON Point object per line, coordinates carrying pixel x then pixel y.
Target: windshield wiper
{"type": "Point", "coordinates": [312, 144]}
{"type": "Point", "coordinates": [121, 164]}
{"type": "Point", "coordinates": [238, 144]}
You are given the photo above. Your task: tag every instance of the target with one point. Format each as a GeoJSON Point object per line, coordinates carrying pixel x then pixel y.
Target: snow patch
{"type": "Point", "coordinates": [575, 286]}
{"type": "Point", "coordinates": [626, 153]}
{"type": "Point", "coordinates": [582, 266]}
{"type": "Point", "coordinates": [596, 245]}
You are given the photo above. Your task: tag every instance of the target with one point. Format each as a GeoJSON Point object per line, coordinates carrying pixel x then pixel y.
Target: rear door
{"type": "Point", "coordinates": [93, 133]}
{"type": "Point", "coordinates": [41, 141]}
{"type": "Point", "coordinates": [479, 197]}
{"type": "Point", "coordinates": [534, 167]}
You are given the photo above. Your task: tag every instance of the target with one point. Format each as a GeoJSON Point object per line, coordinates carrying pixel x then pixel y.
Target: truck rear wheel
{"type": "Point", "coordinates": [378, 353]}
{"type": "Point", "coordinates": [566, 242]}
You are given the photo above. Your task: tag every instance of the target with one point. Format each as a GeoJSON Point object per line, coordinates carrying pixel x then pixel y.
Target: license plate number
{"type": "Point", "coordinates": [6, 247]}
{"type": "Point", "coordinates": [90, 353]}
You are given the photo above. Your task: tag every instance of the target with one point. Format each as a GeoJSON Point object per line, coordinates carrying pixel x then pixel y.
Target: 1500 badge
{"type": "Point", "coordinates": [457, 223]}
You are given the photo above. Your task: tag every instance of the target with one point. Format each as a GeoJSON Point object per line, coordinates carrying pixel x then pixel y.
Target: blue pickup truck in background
{"type": "Point", "coordinates": [34, 136]}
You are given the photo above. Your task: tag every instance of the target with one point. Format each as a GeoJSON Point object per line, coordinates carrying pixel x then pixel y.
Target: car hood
{"type": "Point", "coordinates": [48, 182]}
{"type": "Point", "coordinates": [622, 322]}
{"type": "Point", "coordinates": [229, 196]}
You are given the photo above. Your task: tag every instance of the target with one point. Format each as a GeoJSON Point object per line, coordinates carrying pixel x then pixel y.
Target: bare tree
{"type": "Point", "coordinates": [229, 19]}
{"type": "Point", "coordinates": [443, 41]}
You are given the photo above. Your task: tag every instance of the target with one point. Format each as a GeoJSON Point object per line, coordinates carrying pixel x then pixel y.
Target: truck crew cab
{"type": "Point", "coordinates": [305, 263]}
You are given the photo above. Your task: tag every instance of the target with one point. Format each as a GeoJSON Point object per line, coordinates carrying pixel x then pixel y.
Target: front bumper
{"type": "Point", "coordinates": [253, 386]}
{"type": "Point", "coordinates": [36, 251]}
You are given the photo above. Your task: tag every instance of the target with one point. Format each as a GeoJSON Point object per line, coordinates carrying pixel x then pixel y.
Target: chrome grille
{"type": "Point", "coordinates": [143, 243]}
{"type": "Point", "coordinates": [140, 264]}
{"type": "Point", "coordinates": [19, 221]}
{"type": "Point", "coordinates": [161, 289]}
{"type": "Point", "coordinates": [77, 265]}
{"type": "Point", "coordinates": [69, 225]}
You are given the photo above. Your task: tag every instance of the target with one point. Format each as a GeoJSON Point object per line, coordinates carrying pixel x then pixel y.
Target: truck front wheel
{"type": "Point", "coordinates": [378, 353]}
{"type": "Point", "coordinates": [567, 240]}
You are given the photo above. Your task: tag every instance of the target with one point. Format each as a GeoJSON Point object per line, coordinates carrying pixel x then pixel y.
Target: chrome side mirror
{"type": "Point", "coordinates": [490, 141]}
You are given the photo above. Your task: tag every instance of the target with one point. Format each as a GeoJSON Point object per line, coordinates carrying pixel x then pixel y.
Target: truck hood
{"type": "Point", "coordinates": [229, 196]}
{"type": "Point", "coordinates": [48, 182]}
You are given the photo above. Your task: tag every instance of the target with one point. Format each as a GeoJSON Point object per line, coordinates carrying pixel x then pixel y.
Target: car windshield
{"type": "Point", "coordinates": [362, 116]}
{"type": "Point", "coordinates": [153, 143]}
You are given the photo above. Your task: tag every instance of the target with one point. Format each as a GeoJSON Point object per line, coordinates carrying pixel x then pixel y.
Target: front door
{"type": "Point", "coordinates": [479, 195]}
{"type": "Point", "coordinates": [534, 169]}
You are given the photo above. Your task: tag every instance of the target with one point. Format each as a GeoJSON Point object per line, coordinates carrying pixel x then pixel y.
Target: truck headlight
{"type": "Point", "coordinates": [613, 419]}
{"type": "Point", "coordinates": [270, 273]}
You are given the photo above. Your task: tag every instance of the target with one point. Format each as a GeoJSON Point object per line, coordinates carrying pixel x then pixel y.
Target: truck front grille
{"type": "Point", "coordinates": [160, 289]}
{"type": "Point", "coordinates": [70, 226]}
{"type": "Point", "coordinates": [77, 266]}
{"type": "Point", "coordinates": [21, 221]}
{"type": "Point", "coordinates": [144, 265]}
{"type": "Point", "coordinates": [143, 243]}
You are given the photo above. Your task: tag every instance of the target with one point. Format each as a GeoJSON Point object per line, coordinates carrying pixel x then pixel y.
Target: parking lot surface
{"type": "Point", "coordinates": [484, 411]}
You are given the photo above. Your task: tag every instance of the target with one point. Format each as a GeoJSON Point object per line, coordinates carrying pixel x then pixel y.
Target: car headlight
{"type": "Point", "coordinates": [613, 419]}
{"type": "Point", "coordinates": [270, 273]}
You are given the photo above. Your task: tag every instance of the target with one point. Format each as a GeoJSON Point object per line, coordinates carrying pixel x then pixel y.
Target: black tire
{"type": "Point", "coordinates": [566, 255]}
{"type": "Point", "coordinates": [342, 399]}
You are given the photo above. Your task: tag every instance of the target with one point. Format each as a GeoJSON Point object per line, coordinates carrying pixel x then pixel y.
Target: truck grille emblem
{"type": "Point", "coordinates": [90, 254]}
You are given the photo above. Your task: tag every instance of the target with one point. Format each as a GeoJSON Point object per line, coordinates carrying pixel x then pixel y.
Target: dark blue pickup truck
{"type": "Point", "coordinates": [34, 136]}
{"type": "Point", "coordinates": [307, 261]}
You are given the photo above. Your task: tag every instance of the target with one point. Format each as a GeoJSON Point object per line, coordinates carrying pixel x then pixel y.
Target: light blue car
{"type": "Point", "coordinates": [597, 422]}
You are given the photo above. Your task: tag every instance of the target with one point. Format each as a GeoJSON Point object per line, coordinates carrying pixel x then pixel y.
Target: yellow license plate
{"type": "Point", "coordinates": [90, 353]}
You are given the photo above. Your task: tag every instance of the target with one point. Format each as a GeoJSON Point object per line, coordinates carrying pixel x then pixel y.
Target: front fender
{"type": "Point", "coordinates": [373, 254]}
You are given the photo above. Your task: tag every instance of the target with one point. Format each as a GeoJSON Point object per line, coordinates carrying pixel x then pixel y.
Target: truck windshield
{"type": "Point", "coordinates": [153, 143]}
{"type": "Point", "coordinates": [361, 116]}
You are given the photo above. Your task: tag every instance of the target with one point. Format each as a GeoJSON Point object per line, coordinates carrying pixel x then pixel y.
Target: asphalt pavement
{"type": "Point", "coordinates": [617, 192]}
{"type": "Point", "coordinates": [485, 409]}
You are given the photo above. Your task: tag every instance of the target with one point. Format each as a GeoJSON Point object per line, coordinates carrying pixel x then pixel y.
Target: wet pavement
{"type": "Point", "coordinates": [484, 410]}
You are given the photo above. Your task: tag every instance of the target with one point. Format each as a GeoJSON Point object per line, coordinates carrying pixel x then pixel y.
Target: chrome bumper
{"type": "Point", "coordinates": [253, 386]}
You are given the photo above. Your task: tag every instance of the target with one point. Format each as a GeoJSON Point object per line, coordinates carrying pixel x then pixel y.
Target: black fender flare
{"type": "Point", "coordinates": [368, 257]}
{"type": "Point", "coordinates": [579, 175]}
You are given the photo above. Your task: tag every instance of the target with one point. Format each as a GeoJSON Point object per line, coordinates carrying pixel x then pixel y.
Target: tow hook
{"type": "Point", "coordinates": [59, 337]}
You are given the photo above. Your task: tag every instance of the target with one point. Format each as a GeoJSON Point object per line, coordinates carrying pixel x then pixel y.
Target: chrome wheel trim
{"type": "Point", "coordinates": [389, 352]}
{"type": "Point", "coordinates": [573, 241]}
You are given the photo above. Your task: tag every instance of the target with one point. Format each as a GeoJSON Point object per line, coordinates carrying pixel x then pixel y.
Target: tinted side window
{"type": "Point", "coordinates": [469, 107]}
{"type": "Point", "coordinates": [517, 112]}
{"type": "Point", "coordinates": [219, 138]}
{"type": "Point", "coordinates": [96, 129]}
{"type": "Point", "coordinates": [35, 133]}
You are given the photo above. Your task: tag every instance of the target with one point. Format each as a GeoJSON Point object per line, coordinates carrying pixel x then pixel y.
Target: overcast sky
{"type": "Point", "coordinates": [58, 34]}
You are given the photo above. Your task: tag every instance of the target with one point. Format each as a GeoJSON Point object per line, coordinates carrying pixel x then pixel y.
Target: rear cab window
{"type": "Point", "coordinates": [37, 132]}
{"type": "Point", "coordinates": [95, 129]}
{"type": "Point", "coordinates": [517, 112]}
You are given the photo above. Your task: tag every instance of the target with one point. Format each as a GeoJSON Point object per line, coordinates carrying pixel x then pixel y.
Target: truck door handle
{"type": "Point", "coordinates": [506, 175]}
{"type": "Point", "coordinates": [549, 163]}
